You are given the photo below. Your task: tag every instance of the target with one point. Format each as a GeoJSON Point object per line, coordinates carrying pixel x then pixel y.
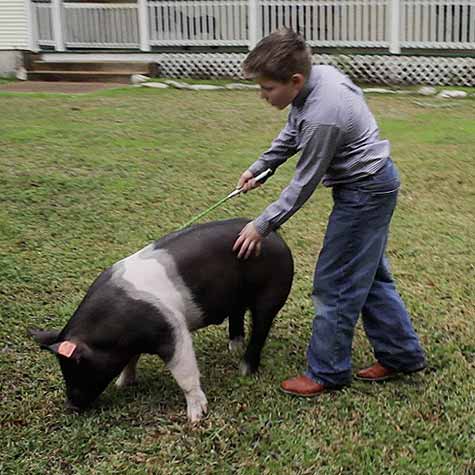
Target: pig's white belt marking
{"type": "Point", "coordinates": [152, 276]}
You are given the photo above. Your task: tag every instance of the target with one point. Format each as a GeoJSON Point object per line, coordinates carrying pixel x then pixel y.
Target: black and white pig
{"type": "Point", "coordinates": [151, 301]}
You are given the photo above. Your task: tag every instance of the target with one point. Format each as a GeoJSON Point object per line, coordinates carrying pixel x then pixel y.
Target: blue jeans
{"type": "Point", "coordinates": [352, 277]}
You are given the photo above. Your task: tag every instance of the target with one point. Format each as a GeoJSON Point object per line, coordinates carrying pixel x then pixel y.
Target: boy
{"type": "Point", "coordinates": [331, 125]}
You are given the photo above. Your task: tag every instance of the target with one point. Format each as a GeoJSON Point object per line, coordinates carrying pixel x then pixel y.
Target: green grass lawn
{"type": "Point", "coordinates": [86, 180]}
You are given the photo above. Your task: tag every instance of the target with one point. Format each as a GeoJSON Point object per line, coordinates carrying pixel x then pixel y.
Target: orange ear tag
{"type": "Point", "coordinates": [66, 348]}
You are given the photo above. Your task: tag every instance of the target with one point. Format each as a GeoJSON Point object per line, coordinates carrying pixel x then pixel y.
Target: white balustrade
{"type": "Point", "coordinates": [391, 24]}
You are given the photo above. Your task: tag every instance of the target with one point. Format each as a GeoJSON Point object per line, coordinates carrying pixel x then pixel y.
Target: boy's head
{"type": "Point", "coordinates": [280, 63]}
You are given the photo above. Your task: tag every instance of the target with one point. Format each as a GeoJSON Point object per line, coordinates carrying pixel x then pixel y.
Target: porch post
{"type": "Point", "coordinates": [143, 25]}
{"type": "Point", "coordinates": [57, 17]}
{"type": "Point", "coordinates": [31, 22]}
{"type": "Point", "coordinates": [394, 29]}
{"type": "Point", "coordinates": [253, 23]}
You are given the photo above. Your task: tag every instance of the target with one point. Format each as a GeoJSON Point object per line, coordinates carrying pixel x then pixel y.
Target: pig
{"type": "Point", "coordinates": [151, 302]}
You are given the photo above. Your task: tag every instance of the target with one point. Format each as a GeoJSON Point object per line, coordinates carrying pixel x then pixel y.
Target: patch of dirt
{"type": "Point", "coordinates": [58, 86]}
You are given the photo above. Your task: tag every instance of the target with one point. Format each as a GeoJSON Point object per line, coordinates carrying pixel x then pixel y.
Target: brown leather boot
{"type": "Point", "coordinates": [376, 372]}
{"type": "Point", "coordinates": [302, 386]}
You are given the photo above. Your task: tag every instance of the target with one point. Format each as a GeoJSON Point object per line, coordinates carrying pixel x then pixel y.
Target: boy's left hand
{"type": "Point", "coordinates": [249, 241]}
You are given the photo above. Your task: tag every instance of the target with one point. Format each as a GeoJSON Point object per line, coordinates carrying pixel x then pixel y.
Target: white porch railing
{"type": "Point", "coordinates": [331, 22]}
{"type": "Point", "coordinates": [392, 24]}
{"type": "Point", "coordinates": [208, 22]}
{"type": "Point", "coordinates": [438, 24]}
{"type": "Point", "coordinates": [95, 25]}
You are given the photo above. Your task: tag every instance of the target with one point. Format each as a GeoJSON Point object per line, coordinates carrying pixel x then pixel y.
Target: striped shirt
{"type": "Point", "coordinates": [331, 125]}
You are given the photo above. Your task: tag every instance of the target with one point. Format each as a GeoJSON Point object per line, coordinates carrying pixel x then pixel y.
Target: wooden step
{"type": "Point", "coordinates": [111, 66]}
{"type": "Point", "coordinates": [81, 76]}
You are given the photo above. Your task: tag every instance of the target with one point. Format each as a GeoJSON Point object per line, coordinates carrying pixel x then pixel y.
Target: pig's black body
{"type": "Point", "coordinates": [152, 300]}
{"type": "Point", "coordinates": [223, 285]}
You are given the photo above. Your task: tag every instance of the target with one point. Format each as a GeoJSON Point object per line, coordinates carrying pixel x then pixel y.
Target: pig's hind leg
{"type": "Point", "coordinates": [263, 314]}
{"type": "Point", "coordinates": [128, 375]}
{"type": "Point", "coordinates": [265, 305]}
{"type": "Point", "coordinates": [236, 329]}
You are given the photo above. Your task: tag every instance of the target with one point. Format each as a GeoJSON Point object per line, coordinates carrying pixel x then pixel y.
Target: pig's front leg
{"type": "Point", "coordinates": [128, 375]}
{"type": "Point", "coordinates": [184, 368]}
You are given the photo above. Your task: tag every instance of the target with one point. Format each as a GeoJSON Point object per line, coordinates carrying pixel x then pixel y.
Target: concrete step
{"type": "Point", "coordinates": [81, 76]}
{"type": "Point", "coordinates": [95, 66]}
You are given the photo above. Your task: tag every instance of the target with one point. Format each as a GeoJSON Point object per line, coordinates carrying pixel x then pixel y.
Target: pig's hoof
{"type": "Point", "coordinates": [236, 344]}
{"type": "Point", "coordinates": [197, 406]}
{"type": "Point", "coordinates": [70, 408]}
{"type": "Point", "coordinates": [125, 380]}
{"type": "Point", "coordinates": [245, 369]}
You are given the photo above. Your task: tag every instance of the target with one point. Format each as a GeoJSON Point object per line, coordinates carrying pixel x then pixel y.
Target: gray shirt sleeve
{"type": "Point", "coordinates": [318, 151]}
{"type": "Point", "coordinates": [283, 147]}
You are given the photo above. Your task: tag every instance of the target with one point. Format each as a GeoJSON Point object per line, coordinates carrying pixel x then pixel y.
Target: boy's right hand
{"type": "Point", "coordinates": [246, 182]}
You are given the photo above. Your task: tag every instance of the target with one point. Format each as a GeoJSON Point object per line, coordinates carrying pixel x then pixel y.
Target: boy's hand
{"type": "Point", "coordinates": [249, 241]}
{"type": "Point", "coordinates": [247, 182]}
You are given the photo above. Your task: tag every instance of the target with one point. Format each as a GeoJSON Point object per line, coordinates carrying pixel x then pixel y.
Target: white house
{"type": "Point", "coordinates": [14, 34]}
{"type": "Point", "coordinates": [409, 41]}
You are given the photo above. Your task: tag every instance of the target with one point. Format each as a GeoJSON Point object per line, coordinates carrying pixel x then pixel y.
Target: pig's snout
{"type": "Point", "coordinates": [76, 403]}
{"type": "Point", "coordinates": [71, 407]}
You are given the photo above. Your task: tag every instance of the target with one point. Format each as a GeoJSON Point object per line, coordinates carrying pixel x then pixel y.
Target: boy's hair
{"type": "Point", "coordinates": [278, 57]}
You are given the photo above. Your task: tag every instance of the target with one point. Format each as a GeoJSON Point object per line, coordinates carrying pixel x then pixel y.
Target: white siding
{"type": "Point", "coordinates": [13, 25]}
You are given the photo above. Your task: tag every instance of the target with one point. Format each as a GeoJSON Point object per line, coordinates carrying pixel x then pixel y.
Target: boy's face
{"type": "Point", "coordinates": [280, 94]}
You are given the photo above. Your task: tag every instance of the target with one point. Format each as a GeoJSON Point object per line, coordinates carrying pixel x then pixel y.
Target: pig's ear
{"type": "Point", "coordinates": [64, 348]}
{"type": "Point", "coordinates": [71, 350]}
{"type": "Point", "coordinates": [44, 338]}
